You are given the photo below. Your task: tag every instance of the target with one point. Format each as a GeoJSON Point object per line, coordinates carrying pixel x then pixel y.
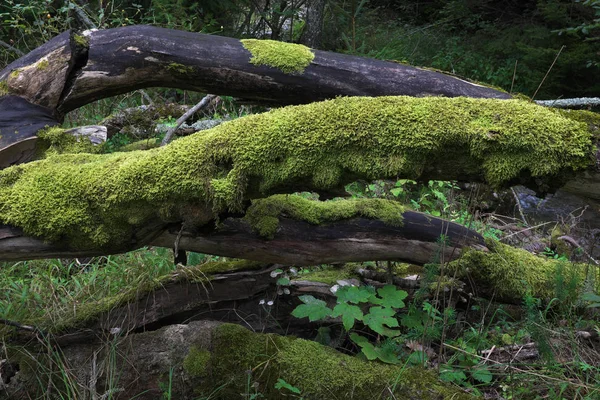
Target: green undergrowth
{"type": "Point", "coordinates": [100, 200]}
{"type": "Point", "coordinates": [55, 295]}
{"type": "Point", "coordinates": [513, 273]}
{"type": "Point", "coordinates": [287, 57]}
{"type": "Point", "coordinates": [264, 214]}
{"type": "Point", "coordinates": [318, 371]}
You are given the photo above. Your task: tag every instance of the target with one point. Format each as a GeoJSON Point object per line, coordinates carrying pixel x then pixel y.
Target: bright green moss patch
{"type": "Point", "coordinates": [592, 119]}
{"type": "Point", "coordinates": [42, 64]}
{"type": "Point", "coordinates": [318, 371]}
{"type": "Point", "coordinates": [54, 140]}
{"type": "Point", "coordinates": [179, 68]}
{"type": "Point", "coordinates": [196, 362]}
{"type": "Point", "coordinates": [81, 40]}
{"type": "Point", "coordinates": [3, 88]}
{"type": "Point", "coordinates": [100, 200]}
{"type": "Point", "coordinates": [288, 57]}
{"type": "Point", "coordinates": [511, 273]}
{"type": "Point", "coordinates": [329, 276]}
{"type": "Point", "coordinates": [144, 144]}
{"type": "Point", "coordinates": [264, 214]}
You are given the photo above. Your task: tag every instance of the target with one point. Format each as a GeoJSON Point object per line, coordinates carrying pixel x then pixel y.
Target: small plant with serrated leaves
{"type": "Point", "coordinates": [464, 368]}
{"type": "Point", "coordinates": [376, 309]}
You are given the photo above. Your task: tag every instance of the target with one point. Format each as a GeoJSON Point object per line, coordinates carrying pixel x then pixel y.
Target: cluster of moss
{"type": "Point", "coordinates": [288, 57]}
{"type": "Point", "coordinates": [100, 199]}
{"type": "Point", "coordinates": [54, 141]}
{"type": "Point", "coordinates": [264, 214]}
{"type": "Point", "coordinates": [512, 273]}
{"type": "Point", "coordinates": [318, 371]}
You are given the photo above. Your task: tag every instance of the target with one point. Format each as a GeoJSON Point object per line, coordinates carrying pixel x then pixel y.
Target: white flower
{"type": "Point", "coordinates": [334, 288]}
{"type": "Point", "coordinates": [261, 302]}
{"type": "Point", "coordinates": [270, 303]}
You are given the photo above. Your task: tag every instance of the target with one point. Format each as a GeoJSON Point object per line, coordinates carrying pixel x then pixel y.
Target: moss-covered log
{"type": "Point", "coordinates": [222, 361]}
{"type": "Point", "coordinates": [90, 203]}
{"type": "Point", "coordinates": [508, 274]}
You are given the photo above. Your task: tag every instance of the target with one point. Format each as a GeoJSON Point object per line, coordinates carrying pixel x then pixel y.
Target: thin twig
{"type": "Point", "coordinates": [513, 78]}
{"type": "Point", "coordinates": [575, 244]}
{"type": "Point", "coordinates": [82, 16]}
{"type": "Point", "coordinates": [11, 48]}
{"type": "Point", "coordinates": [23, 327]}
{"type": "Point", "coordinates": [571, 103]}
{"type": "Point", "coordinates": [548, 72]}
{"type": "Point", "coordinates": [146, 96]}
{"type": "Point", "coordinates": [203, 103]}
{"type": "Point", "coordinates": [519, 206]}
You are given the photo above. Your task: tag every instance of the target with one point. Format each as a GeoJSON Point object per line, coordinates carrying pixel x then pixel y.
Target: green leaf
{"type": "Point", "coordinates": [282, 384]}
{"type": "Point", "coordinates": [482, 375]}
{"type": "Point", "coordinates": [417, 358]}
{"type": "Point", "coordinates": [397, 191]}
{"type": "Point", "coordinates": [312, 308]}
{"type": "Point", "coordinates": [354, 294]}
{"type": "Point", "coordinates": [283, 282]}
{"type": "Point", "coordinates": [372, 352]}
{"type": "Point", "coordinates": [349, 314]}
{"type": "Point", "coordinates": [450, 375]}
{"type": "Point", "coordinates": [390, 296]}
{"type": "Point", "coordinates": [378, 318]}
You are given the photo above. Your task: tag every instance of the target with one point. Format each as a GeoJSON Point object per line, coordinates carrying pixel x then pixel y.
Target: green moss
{"type": "Point", "coordinates": [288, 57]}
{"type": "Point", "coordinates": [15, 74]}
{"type": "Point", "coordinates": [196, 362]}
{"type": "Point", "coordinates": [317, 370]}
{"type": "Point", "coordinates": [264, 214]}
{"type": "Point", "coordinates": [3, 88]}
{"type": "Point", "coordinates": [319, 146]}
{"type": "Point", "coordinates": [81, 40]}
{"type": "Point", "coordinates": [54, 141]}
{"type": "Point", "coordinates": [511, 273]}
{"type": "Point", "coordinates": [592, 119]}
{"type": "Point", "coordinates": [144, 144]}
{"type": "Point", "coordinates": [329, 276]}
{"type": "Point", "coordinates": [42, 64]}
{"type": "Point", "coordinates": [179, 68]}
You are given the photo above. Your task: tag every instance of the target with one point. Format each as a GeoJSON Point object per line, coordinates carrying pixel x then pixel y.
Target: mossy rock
{"type": "Point", "coordinates": [240, 356]}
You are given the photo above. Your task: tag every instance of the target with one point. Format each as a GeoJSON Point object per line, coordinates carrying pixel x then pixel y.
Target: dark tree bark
{"type": "Point", "coordinates": [295, 243]}
{"type": "Point", "coordinates": [313, 28]}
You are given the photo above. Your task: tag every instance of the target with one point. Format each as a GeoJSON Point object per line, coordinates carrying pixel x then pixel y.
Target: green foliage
{"type": "Point", "coordinates": [313, 309]}
{"type": "Point", "coordinates": [379, 317]}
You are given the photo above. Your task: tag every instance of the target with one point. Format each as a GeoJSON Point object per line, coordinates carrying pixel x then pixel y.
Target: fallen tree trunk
{"type": "Point", "coordinates": [207, 358]}
{"type": "Point", "coordinates": [82, 204]}
{"type": "Point", "coordinates": [72, 70]}
{"type": "Point", "coordinates": [295, 243]}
